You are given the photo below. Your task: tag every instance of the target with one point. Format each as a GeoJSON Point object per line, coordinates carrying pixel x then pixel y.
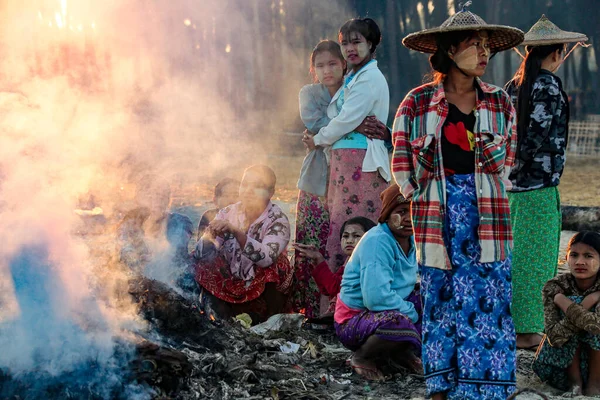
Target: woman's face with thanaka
{"type": "Point", "coordinates": [473, 54]}
{"type": "Point", "coordinates": [355, 48]}
{"type": "Point", "coordinates": [400, 222]}
{"type": "Point", "coordinates": [350, 237]}
{"type": "Point", "coordinates": [329, 69]}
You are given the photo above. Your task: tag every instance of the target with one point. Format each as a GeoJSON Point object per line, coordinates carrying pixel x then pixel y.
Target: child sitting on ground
{"type": "Point", "coordinates": [329, 282]}
{"type": "Point", "coordinates": [226, 193]}
{"type": "Point", "coordinates": [569, 355]}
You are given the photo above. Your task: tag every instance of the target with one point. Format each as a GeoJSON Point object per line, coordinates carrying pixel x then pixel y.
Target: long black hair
{"type": "Point", "coordinates": [524, 79]}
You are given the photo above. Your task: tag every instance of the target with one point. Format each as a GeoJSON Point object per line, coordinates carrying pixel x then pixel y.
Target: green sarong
{"type": "Point", "coordinates": [536, 223]}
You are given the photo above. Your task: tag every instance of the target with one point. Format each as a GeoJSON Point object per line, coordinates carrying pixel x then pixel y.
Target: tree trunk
{"type": "Point", "coordinates": [392, 44]}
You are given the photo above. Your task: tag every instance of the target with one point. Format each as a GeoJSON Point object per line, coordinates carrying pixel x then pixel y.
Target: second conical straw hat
{"type": "Point", "coordinates": [544, 32]}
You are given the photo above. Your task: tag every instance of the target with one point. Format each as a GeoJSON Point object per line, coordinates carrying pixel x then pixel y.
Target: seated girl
{"type": "Point", "coordinates": [378, 309]}
{"type": "Point", "coordinates": [242, 263]}
{"type": "Point", "coordinates": [329, 282]}
{"type": "Point", "coordinates": [569, 355]}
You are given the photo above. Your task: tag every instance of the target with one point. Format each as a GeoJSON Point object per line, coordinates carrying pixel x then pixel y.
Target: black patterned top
{"type": "Point", "coordinates": [541, 150]}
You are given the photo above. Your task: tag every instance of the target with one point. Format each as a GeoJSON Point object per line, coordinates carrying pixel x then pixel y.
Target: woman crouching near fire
{"type": "Point", "coordinates": [569, 356]}
{"type": "Point", "coordinates": [242, 262]}
{"type": "Point", "coordinates": [377, 314]}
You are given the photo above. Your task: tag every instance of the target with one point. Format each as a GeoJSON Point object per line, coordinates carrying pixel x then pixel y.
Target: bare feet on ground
{"type": "Point", "coordinates": [366, 368]}
{"type": "Point", "coordinates": [528, 341]}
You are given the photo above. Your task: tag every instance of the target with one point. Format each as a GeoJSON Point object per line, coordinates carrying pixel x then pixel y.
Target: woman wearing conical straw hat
{"type": "Point", "coordinates": [542, 128]}
{"type": "Point", "coordinates": [454, 141]}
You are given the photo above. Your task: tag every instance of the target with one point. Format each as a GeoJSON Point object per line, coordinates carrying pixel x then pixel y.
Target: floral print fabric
{"type": "Point", "coordinates": [352, 193]}
{"type": "Point", "coordinates": [312, 228]}
{"type": "Point", "coordinates": [536, 221]}
{"type": "Point", "coordinates": [469, 339]}
{"type": "Point", "coordinates": [389, 325]}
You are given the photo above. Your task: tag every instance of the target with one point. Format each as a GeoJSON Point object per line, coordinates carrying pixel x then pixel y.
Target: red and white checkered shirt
{"type": "Point", "coordinates": [418, 168]}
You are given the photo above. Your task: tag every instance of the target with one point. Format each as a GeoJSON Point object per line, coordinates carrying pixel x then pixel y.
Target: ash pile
{"type": "Point", "coordinates": [278, 359]}
{"type": "Point", "coordinates": [184, 353]}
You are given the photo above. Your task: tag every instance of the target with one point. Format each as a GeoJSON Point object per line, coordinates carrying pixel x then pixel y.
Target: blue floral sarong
{"type": "Point", "coordinates": [469, 340]}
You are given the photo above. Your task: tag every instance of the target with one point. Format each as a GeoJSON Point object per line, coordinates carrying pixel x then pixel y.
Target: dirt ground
{"type": "Point", "coordinates": [324, 375]}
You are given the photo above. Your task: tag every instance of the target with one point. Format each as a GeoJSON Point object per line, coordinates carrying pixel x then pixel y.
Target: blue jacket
{"type": "Point", "coordinates": [379, 276]}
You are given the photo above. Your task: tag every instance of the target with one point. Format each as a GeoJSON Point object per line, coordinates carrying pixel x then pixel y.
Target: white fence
{"type": "Point", "coordinates": [584, 138]}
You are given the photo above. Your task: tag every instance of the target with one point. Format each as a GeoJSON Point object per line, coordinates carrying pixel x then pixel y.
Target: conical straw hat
{"type": "Point", "coordinates": [501, 37]}
{"type": "Point", "coordinates": [545, 32]}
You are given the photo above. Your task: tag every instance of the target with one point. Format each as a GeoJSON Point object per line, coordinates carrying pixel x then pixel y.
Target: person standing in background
{"type": "Point", "coordinates": [359, 163]}
{"type": "Point", "coordinates": [453, 150]}
{"type": "Point", "coordinates": [542, 128]}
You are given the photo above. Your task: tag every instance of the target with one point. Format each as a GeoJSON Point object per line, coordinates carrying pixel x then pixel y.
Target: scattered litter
{"type": "Point", "coordinates": [244, 319]}
{"type": "Point", "coordinates": [279, 322]}
{"type": "Point", "coordinates": [289, 347]}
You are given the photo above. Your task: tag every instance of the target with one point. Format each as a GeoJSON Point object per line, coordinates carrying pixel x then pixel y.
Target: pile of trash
{"type": "Point", "coordinates": [278, 359]}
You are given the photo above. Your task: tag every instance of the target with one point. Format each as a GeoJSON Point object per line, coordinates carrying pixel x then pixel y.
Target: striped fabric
{"type": "Point", "coordinates": [418, 168]}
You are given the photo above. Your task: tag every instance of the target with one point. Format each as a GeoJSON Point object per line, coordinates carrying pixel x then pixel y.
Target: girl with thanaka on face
{"type": "Point", "coordinates": [542, 128]}
{"type": "Point", "coordinates": [569, 355]}
{"type": "Point", "coordinates": [359, 162]}
{"type": "Point", "coordinates": [377, 314]}
{"type": "Point", "coordinates": [327, 66]}
{"type": "Point", "coordinates": [329, 282]}
{"type": "Point", "coordinates": [453, 149]}
{"type": "Point", "coordinates": [250, 272]}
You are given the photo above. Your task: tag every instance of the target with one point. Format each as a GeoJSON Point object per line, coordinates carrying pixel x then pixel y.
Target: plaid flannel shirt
{"type": "Point", "coordinates": [418, 168]}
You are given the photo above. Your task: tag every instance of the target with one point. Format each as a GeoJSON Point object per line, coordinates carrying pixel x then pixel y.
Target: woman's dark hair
{"type": "Point", "coordinates": [590, 238]}
{"type": "Point", "coordinates": [366, 27]}
{"type": "Point", "coordinates": [223, 183]}
{"type": "Point", "coordinates": [524, 79]}
{"type": "Point", "coordinates": [321, 47]}
{"type": "Point", "coordinates": [440, 60]}
{"type": "Point", "coordinates": [366, 224]}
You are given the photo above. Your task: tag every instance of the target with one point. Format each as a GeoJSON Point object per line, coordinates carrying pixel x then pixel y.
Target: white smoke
{"type": "Point", "coordinates": [93, 97]}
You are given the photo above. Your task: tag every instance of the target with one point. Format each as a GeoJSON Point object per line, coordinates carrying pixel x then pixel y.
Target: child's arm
{"type": "Point", "coordinates": [313, 108]}
{"type": "Point", "coordinates": [358, 104]}
{"type": "Point", "coordinates": [581, 316]}
{"type": "Point", "coordinates": [328, 282]}
{"type": "Point", "coordinates": [558, 329]}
